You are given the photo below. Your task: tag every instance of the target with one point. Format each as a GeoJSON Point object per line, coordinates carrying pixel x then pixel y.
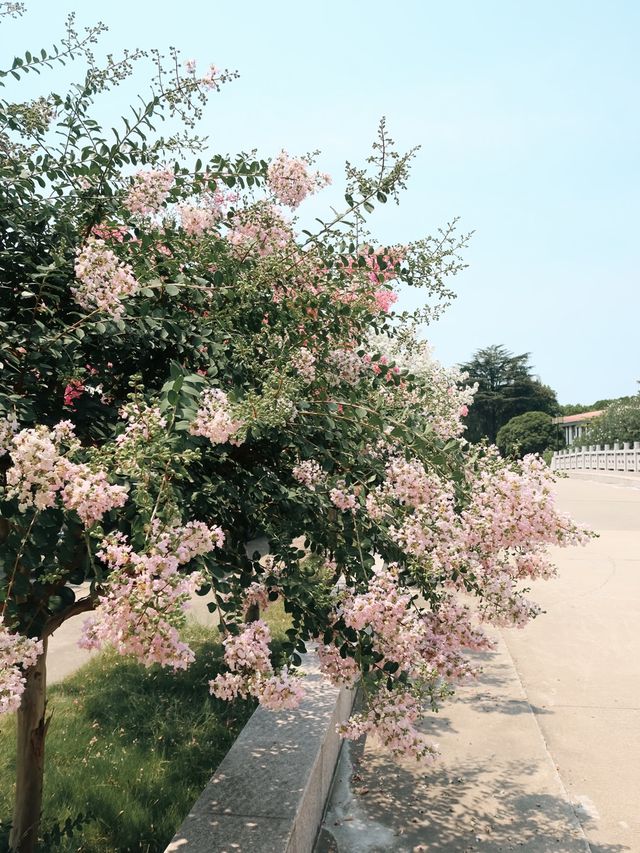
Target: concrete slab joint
{"type": "Point", "coordinates": [270, 790]}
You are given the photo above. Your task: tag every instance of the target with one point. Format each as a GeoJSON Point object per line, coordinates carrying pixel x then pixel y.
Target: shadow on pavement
{"type": "Point", "coordinates": [379, 806]}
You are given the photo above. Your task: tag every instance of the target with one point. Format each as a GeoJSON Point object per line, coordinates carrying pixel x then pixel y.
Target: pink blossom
{"type": "Point", "coordinates": [103, 281]}
{"type": "Point", "coordinates": [214, 419]}
{"type": "Point", "coordinates": [344, 500]}
{"type": "Point", "coordinates": [143, 422]}
{"type": "Point", "coordinates": [259, 231]}
{"type": "Point", "coordinates": [110, 232]}
{"type": "Point", "coordinates": [38, 471]}
{"type": "Point", "coordinates": [73, 391]}
{"type": "Point", "coordinates": [309, 473]}
{"type": "Point", "coordinates": [148, 192]}
{"type": "Point", "coordinates": [248, 651]}
{"type": "Point", "coordinates": [90, 493]}
{"type": "Point", "coordinates": [278, 692]}
{"type": "Point", "coordinates": [290, 180]}
{"type": "Point", "coordinates": [384, 299]}
{"type": "Point", "coordinates": [197, 219]}
{"type": "Point", "coordinates": [391, 716]}
{"type": "Point", "coordinates": [209, 80]}
{"type": "Point", "coordinates": [17, 653]}
{"type": "Point", "coordinates": [248, 657]}
{"type": "Point", "coordinates": [303, 362]}
{"type": "Point", "coordinates": [145, 598]}
{"type": "Point", "coordinates": [342, 672]}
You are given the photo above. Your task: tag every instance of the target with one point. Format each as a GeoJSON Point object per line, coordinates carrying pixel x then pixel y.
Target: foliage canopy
{"type": "Point", "coordinates": [532, 432]}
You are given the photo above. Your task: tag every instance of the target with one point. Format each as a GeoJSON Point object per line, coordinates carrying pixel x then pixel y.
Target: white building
{"type": "Point", "coordinates": [573, 426]}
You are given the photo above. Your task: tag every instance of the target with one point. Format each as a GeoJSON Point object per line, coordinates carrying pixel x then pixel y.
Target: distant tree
{"type": "Point", "coordinates": [532, 432]}
{"type": "Point", "coordinates": [619, 422]}
{"type": "Point", "coordinates": [574, 409]}
{"type": "Point", "coordinates": [579, 408]}
{"type": "Point", "coordinates": [604, 404]}
{"type": "Point", "coordinates": [506, 388]}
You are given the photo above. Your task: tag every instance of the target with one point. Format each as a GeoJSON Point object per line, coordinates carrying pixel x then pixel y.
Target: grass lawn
{"type": "Point", "coordinates": [130, 747]}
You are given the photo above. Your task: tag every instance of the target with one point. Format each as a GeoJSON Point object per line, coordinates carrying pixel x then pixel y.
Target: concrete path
{"type": "Point", "coordinates": [580, 663]}
{"type": "Point", "coordinates": [543, 753]}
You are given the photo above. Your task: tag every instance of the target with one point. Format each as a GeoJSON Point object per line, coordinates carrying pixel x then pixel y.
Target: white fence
{"type": "Point", "coordinates": [602, 457]}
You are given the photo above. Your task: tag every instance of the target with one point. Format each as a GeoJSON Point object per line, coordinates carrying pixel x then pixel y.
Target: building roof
{"type": "Point", "coordinates": [576, 419]}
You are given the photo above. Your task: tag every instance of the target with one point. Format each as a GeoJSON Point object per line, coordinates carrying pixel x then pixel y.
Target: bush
{"type": "Point", "coordinates": [532, 432]}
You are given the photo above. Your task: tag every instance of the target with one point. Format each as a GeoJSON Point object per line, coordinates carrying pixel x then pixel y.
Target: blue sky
{"type": "Point", "coordinates": [528, 122]}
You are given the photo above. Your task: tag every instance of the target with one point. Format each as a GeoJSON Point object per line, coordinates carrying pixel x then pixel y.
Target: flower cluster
{"type": "Point", "coordinates": [38, 471]}
{"type": "Point", "coordinates": [148, 192]}
{"type": "Point", "coordinates": [144, 601]}
{"type": "Point", "coordinates": [259, 231]}
{"type": "Point", "coordinates": [103, 280]}
{"type": "Point", "coordinates": [309, 473]}
{"type": "Point", "coordinates": [8, 428]}
{"type": "Point", "coordinates": [143, 422]}
{"type": "Point", "coordinates": [385, 299]}
{"type": "Point", "coordinates": [191, 540]}
{"type": "Point", "coordinates": [196, 220]}
{"type": "Point", "coordinates": [17, 653]}
{"type": "Point", "coordinates": [340, 497]}
{"type": "Point", "coordinates": [73, 391]}
{"type": "Point", "coordinates": [209, 80]}
{"type": "Point", "coordinates": [304, 363]}
{"type": "Point", "coordinates": [497, 539]}
{"type": "Point", "coordinates": [440, 395]}
{"type": "Point", "coordinates": [248, 657]}
{"type": "Point", "coordinates": [341, 671]}
{"type": "Point", "coordinates": [392, 718]}
{"type": "Point", "coordinates": [290, 180]}
{"type": "Point", "coordinates": [41, 472]}
{"type": "Point", "coordinates": [90, 493]}
{"type": "Point", "coordinates": [214, 419]}
{"type": "Point", "coordinates": [409, 483]}
{"type": "Point", "coordinates": [345, 365]}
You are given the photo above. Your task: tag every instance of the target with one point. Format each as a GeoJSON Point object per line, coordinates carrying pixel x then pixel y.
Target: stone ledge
{"type": "Point", "coordinates": [612, 478]}
{"type": "Point", "coordinates": [269, 792]}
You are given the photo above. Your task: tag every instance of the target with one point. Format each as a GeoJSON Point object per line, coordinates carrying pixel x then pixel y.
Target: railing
{"type": "Point", "coordinates": [599, 457]}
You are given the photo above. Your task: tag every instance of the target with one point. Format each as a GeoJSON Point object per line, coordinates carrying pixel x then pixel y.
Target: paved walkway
{"type": "Point", "coordinates": [543, 753]}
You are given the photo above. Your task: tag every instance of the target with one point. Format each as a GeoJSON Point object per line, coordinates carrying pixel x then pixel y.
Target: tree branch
{"type": "Point", "coordinates": [82, 605]}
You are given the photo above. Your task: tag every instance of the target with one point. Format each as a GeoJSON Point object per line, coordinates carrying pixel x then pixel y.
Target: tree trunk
{"type": "Point", "coordinates": [32, 731]}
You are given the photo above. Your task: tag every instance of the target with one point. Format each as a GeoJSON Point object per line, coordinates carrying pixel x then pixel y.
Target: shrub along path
{"type": "Point", "coordinates": [542, 754]}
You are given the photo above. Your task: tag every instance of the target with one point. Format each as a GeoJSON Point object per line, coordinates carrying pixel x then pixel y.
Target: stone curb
{"type": "Point", "coordinates": [269, 792]}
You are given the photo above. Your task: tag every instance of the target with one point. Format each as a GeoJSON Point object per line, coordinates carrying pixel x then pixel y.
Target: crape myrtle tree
{"type": "Point", "coordinates": [505, 387]}
{"type": "Point", "coordinates": [620, 421]}
{"type": "Point", "coordinates": [183, 370]}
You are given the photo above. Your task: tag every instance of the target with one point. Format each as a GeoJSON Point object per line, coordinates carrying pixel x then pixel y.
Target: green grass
{"type": "Point", "coordinates": [131, 747]}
